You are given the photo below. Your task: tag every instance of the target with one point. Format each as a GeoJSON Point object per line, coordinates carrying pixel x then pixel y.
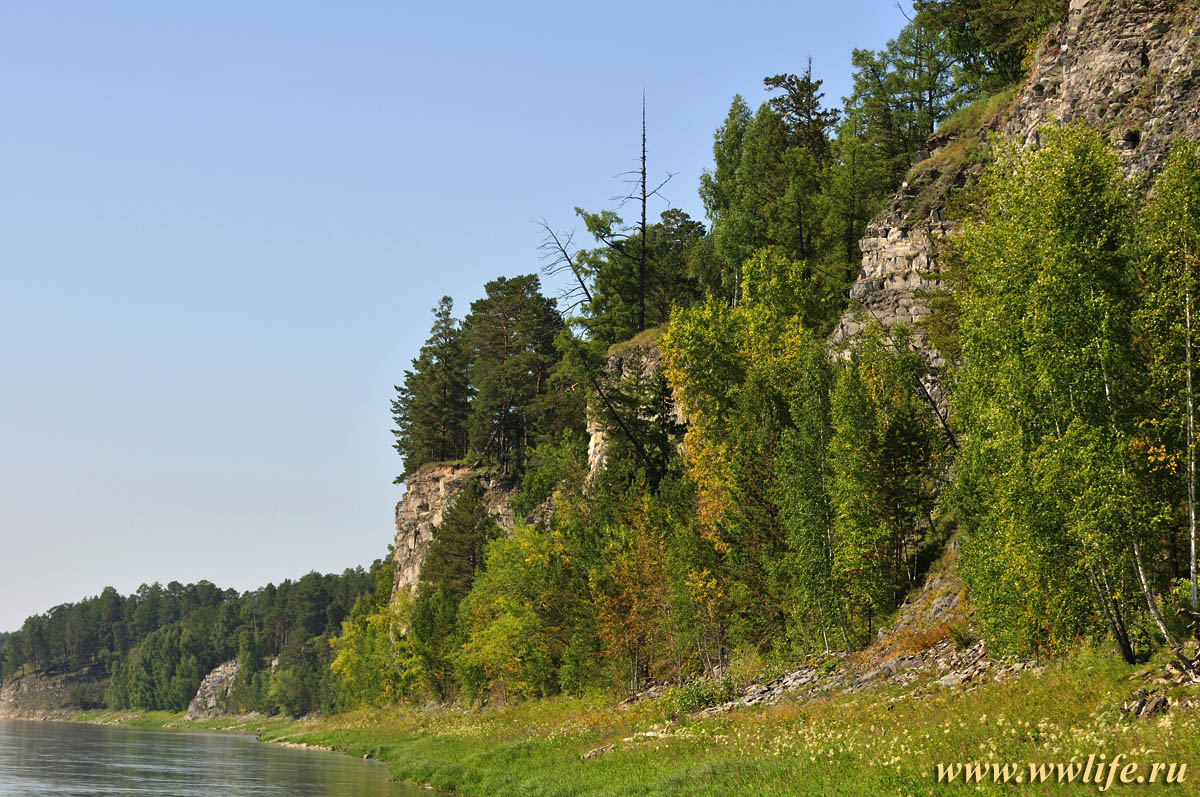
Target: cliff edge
{"type": "Point", "coordinates": [427, 496]}
{"type": "Point", "coordinates": [1130, 70]}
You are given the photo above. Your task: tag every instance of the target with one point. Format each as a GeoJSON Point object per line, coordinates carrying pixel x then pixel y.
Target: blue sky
{"type": "Point", "coordinates": [223, 226]}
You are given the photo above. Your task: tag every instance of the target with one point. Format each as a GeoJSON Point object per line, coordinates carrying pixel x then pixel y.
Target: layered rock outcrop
{"type": "Point", "coordinates": [427, 496]}
{"type": "Point", "coordinates": [641, 352]}
{"type": "Point", "coordinates": [43, 695]}
{"type": "Point", "coordinates": [1131, 70]}
{"type": "Point", "coordinates": [213, 692]}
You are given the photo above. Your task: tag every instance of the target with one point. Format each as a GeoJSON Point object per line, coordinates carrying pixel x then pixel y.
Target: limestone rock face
{"type": "Point", "coordinates": [1131, 70]}
{"type": "Point", "coordinates": [42, 695]}
{"type": "Point", "coordinates": [616, 367]}
{"type": "Point", "coordinates": [427, 496]}
{"type": "Point", "coordinates": [213, 690]}
{"type": "Point", "coordinates": [897, 266]}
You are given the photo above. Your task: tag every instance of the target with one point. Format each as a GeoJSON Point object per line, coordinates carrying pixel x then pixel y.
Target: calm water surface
{"type": "Point", "coordinates": [43, 758]}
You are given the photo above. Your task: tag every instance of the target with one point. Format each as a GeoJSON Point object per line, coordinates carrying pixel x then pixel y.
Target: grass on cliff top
{"type": "Point", "coordinates": [981, 113]}
{"type": "Point", "coordinates": [934, 177]}
{"type": "Point", "coordinates": [642, 340]}
{"type": "Point", "coordinates": [876, 742]}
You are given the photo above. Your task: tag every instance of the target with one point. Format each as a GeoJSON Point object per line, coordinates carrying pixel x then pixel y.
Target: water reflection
{"type": "Point", "coordinates": [41, 758]}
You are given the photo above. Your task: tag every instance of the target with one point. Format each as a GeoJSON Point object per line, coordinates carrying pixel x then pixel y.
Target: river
{"type": "Point", "coordinates": [44, 758]}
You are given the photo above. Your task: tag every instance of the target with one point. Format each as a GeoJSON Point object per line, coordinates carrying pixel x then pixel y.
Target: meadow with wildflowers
{"type": "Point", "coordinates": [880, 741]}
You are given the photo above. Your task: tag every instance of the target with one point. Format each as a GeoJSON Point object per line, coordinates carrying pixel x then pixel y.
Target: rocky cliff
{"type": "Point", "coordinates": [1130, 69]}
{"type": "Point", "coordinates": [427, 496]}
{"type": "Point", "coordinates": [38, 696]}
{"type": "Point", "coordinates": [213, 692]}
{"type": "Point", "coordinates": [643, 350]}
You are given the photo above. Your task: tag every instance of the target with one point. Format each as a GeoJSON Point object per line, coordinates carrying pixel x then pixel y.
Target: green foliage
{"type": "Point", "coordinates": [884, 462]}
{"type": "Point", "coordinates": [857, 183]}
{"type": "Point", "coordinates": [510, 338]}
{"type": "Point", "coordinates": [1168, 263]}
{"type": "Point", "coordinates": [434, 615]}
{"type": "Point", "coordinates": [670, 251]}
{"type": "Point", "coordinates": [811, 498]}
{"type": "Point", "coordinates": [902, 92]}
{"type": "Point", "coordinates": [375, 659]}
{"type": "Point", "coordinates": [767, 188]}
{"type": "Point", "coordinates": [561, 464]}
{"type": "Point", "coordinates": [455, 554]}
{"type": "Point", "coordinates": [453, 562]}
{"type": "Point", "coordinates": [513, 620]}
{"type": "Point", "coordinates": [430, 409]}
{"type": "Point", "coordinates": [632, 593]}
{"type": "Point", "coordinates": [188, 630]}
{"type": "Point", "coordinates": [1047, 397]}
{"type": "Point", "coordinates": [799, 106]}
{"type": "Point", "coordinates": [990, 40]}
{"type": "Point", "coordinates": [699, 694]}
{"type": "Point", "coordinates": [960, 635]}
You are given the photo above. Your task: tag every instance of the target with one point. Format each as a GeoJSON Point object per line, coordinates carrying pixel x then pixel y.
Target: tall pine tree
{"type": "Point", "coordinates": [430, 408]}
{"type": "Point", "coordinates": [510, 337]}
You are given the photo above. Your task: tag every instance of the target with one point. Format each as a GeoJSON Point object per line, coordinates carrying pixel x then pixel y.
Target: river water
{"type": "Point", "coordinates": [44, 758]}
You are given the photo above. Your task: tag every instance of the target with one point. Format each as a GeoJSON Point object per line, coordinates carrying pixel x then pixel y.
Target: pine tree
{"type": "Point", "coordinates": [989, 39]}
{"type": "Point", "coordinates": [670, 245]}
{"type": "Point", "coordinates": [901, 93]}
{"type": "Point", "coordinates": [510, 338]}
{"type": "Point", "coordinates": [883, 461]}
{"type": "Point", "coordinates": [800, 108]}
{"type": "Point", "coordinates": [430, 410]}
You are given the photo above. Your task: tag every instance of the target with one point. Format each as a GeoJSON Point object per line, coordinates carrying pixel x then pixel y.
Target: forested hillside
{"type": "Point", "coordinates": [722, 460]}
{"type": "Point", "coordinates": [1042, 415]}
{"type": "Point", "coordinates": [154, 646]}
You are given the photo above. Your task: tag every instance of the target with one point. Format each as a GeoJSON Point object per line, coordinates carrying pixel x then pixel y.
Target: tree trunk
{"type": "Point", "coordinates": [1152, 605]}
{"type": "Point", "coordinates": [1115, 623]}
{"type": "Point", "coordinates": [842, 626]}
{"type": "Point", "coordinates": [1191, 446]}
{"type": "Point", "coordinates": [641, 318]}
{"type": "Point", "coordinates": [824, 636]}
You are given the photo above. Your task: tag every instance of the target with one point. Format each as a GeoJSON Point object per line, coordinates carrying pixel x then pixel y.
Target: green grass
{"type": "Point", "coordinates": [970, 118]}
{"type": "Point", "coordinates": [933, 178]}
{"type": "Point", "coordinates": [881, 741]}
{"type": "Point", "coordinates": [641, 340]}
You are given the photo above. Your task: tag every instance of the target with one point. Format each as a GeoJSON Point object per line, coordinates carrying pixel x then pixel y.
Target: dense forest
{"type": "Point", "coordinates": [156, 645]}
{"type": "Point", "coordinates": [807, 493]}
{"type": "Point", "coordinates": [810, 487]}
{"type": "Point", "coordinates": [809, 490]}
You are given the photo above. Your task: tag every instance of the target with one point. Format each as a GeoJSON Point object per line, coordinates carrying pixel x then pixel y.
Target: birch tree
{"type": "Point", "coordinates": [1169, 275]}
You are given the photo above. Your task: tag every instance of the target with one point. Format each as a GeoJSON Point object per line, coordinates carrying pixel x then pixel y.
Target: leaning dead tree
{"type": "Point", "coordinates": [558, 257]}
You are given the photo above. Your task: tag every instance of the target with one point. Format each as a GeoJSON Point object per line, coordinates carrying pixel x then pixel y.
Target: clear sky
{"type": "Point", "coordinates": [223, 226]}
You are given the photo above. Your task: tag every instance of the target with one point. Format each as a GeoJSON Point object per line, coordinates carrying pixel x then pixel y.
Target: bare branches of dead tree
{"type": "Point", "coordinates": [558, 257]}
{"type": "Point", "coordinates": [641, 194]}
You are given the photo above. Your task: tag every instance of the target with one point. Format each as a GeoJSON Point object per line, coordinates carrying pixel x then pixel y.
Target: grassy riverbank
{"type": "Point", "coordinates": [879, 741]}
